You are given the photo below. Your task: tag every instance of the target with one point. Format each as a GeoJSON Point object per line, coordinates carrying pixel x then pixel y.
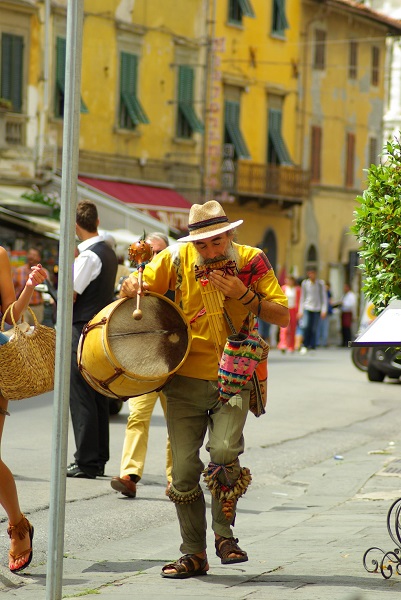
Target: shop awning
{"type": "Point", "coordinates": [162, 203]}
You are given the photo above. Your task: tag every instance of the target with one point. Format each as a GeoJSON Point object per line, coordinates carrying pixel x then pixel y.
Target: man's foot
{"type": "Point", "coordinates": [124, 485]}
{"type": "Point", "coordinates": [168, 486]}
{"type": "Point", "coordinates": [73, 470]}
{"type": "Point", "coordinates": [228, 550]}
{"type": "Point", "coordinates": [189, 565]}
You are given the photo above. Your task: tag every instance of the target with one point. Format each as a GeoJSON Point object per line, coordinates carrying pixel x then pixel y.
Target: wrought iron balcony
{"type": "Point", "coordinates": [266, 183]}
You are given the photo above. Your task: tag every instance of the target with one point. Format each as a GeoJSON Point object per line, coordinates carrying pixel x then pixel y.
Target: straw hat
{"type": "Point", "coordinates": [207, 220]}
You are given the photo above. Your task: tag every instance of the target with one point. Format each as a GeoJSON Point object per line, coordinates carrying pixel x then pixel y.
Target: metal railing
{"type": "Point", "coordinates": [285, 181]}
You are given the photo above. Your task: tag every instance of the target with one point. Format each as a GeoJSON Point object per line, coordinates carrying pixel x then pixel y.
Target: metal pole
{"type": "Point", "coordinates": [64, 302]}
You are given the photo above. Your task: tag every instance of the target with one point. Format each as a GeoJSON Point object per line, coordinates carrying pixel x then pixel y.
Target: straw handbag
{"type": "Point", "coordinates": [27, 360]}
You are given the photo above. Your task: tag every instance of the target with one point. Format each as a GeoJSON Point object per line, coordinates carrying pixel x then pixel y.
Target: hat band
{"type": "Point", "coordinates": [207, 223]}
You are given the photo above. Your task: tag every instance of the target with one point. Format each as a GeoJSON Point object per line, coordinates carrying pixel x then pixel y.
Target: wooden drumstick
{"type": "Point", "coordinates": [137, 314]}
{"type": "Point", "coordinates": [140, 252]}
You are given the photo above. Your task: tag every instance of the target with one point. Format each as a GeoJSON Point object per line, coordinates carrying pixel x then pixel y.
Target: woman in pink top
{"type": "Point", "coordinates": [287, 334]}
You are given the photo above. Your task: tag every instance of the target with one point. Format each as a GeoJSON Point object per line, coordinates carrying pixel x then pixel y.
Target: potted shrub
{"type": "Point", "coordinates": [377, 225]}
{"type": "Point", "coordinates": [5, 105]}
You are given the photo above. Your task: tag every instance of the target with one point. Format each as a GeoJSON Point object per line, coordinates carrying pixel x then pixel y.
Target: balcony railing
{"type": "Point", "coordinates": [285, 182]}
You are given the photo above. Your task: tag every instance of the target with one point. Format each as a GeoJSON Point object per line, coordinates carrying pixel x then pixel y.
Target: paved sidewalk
{"type": "Point", "coordinates": [305, 537]}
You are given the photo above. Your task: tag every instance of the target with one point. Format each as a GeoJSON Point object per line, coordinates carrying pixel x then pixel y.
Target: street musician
{"type": "Point", "coordinates": [218, 283]}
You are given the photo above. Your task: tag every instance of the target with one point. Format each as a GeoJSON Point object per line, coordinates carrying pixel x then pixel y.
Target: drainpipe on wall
{"type": "Point", "coordinates": [45, 100]}
{"type": "Point", "coordinates": [210, 28]}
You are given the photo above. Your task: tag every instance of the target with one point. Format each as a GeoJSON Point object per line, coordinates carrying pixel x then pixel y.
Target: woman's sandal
{"type": "Point", "coordinates": [188, 565]}
{"type": "Point", "coordinates": [225, 547]}
{"type": "Point", "coordinates": [21, 529]}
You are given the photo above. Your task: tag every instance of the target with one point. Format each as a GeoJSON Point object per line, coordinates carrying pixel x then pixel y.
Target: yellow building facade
{"type": "Point", "coordinates": [342, 90]}
{"type": "Point", "coordinates": [251, 127]}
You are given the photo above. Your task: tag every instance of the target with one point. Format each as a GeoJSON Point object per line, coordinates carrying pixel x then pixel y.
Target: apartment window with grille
{"type": "Point", "coordinates": [232, 130]}
{"type": "Point", "coordinates": [131, 112]}
{"type": "Point", "coordinates": [316, 154]}
{"type": "Point", "coordinates": [12, 48]}
{"type": "Point", "coordinates": [187, 119]}
{"type": "Point", "coordinates": [60, 80]}
{"type": "Point", "coordinates": [279, 19]}
{"type": "Point", "coordinates": [350, 160]}
{"type": "Point", "coordinates": [353, 60]}
{"type": "Point", "coordinates": [373, 157]}
{"type": "Point", "coordinates": [375, 70]}
{"type": "Point", "coordinates": [319, 58]}
{"type": "Point", "coordinates": [239, 8]}
{"type": "Point", "coordinates": [277, 153]}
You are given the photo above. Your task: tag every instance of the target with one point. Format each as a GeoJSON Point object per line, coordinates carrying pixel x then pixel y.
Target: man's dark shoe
{"type": "Point", "coordinates": [73, 470]}
{"type": "Point", "coordinates": [100, 472]}
{"type": "Point", "coordinates": [124, 485]}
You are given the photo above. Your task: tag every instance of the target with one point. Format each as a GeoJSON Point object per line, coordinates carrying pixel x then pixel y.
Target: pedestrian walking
{"type": "Point", "coordinates": [138, 423]}
{"type": "Point", "coordinates": [312, 308]}
{"type": "Point", "coordinates": [95, 270]}
{"type": "Point", "coordinates": [287, 334]}
{"type": "Point", "coordinates": [20, 530]}
{"type": "Point", "coordinates": [242, 278]}
{"type": "Point", "coordinates": [348, 309]}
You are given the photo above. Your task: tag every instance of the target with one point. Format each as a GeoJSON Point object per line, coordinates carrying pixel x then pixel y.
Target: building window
{"type": "Point", "coordinates": [277, 153]}
{"type": "Point", "coordinates": [319, 59]}
{"type": "Point", "coordinates": [372, 151]}
{"type": "Point", "coordinates": [131, 112]}
{"type": "Point", "coordinates": [350, 158]}
{"type": "Point", "coordinates": [316, 154]}
{"type": "Point", "coordinates": [239, 8]}
{"type": "Point", "coordinates": [12, 47]}
{"type": "Point", "coordinates": [374, 77]}
{"type": "Point", "coordinates": [353, 60]}
{"type": "Point", "coordinates": [279, 19]}
{"type": "Point", "coordinates": [232, 131]}
{"type": "Point", "coordinates": [60, 80]}
{"type": "Point", "coordinates": [187, 120]}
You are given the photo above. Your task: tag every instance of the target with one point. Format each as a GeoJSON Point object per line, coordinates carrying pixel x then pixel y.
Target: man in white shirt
{"type": "Point", "coordinates": [312, 308]}
{"type": "Point", "coordinates": [95, 270]}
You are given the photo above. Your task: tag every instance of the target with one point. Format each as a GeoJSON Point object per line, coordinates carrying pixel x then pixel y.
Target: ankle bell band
{"type": "Point", "coordinates": [183, 497]}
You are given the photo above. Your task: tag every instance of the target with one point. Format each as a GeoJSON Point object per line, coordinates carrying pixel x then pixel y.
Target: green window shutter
{"type": "Point", "coordinates": [60, 63]}
{"type": "Point", "coordinates": [128, 85]}
{"type": "Point", "coordinates": [275, 117]}
{"type": "Point", "coordinates": [61, 47]}
{"type": "Point", "coordinates": [247, 8]}
{"type": "Point", "coordinates": [12, 47]}
{"type": "Point", "coordinates": [232, 127]}
{"type": "Point", "coordinates": [185, 98]}
{"type": "Point", "coordinates": [280, 23]}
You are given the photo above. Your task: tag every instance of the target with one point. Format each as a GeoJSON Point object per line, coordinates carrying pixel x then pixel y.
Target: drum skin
{"type": "Point", "coordinates": [121, 357]}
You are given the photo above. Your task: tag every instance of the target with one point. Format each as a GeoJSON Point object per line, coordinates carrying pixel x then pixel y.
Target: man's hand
{"type": "Point", "coordinates": [230, 285]}
{"type": "Point", "coordinates": [130, 287]}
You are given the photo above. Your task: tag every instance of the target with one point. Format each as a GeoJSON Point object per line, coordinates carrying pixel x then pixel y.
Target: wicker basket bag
{"type": "Point", "coordinates": [27, 360]}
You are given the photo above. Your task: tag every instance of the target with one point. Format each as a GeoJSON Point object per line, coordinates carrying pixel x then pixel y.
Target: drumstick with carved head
{"type": "Point", "coordinates": [140, 253]}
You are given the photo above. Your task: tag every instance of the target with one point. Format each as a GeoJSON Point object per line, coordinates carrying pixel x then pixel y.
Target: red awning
{"type": "Point", "coordinates": [146, 197]}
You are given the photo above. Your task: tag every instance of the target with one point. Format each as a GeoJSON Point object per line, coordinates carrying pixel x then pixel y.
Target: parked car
{"type": "Point", "coordinates": [384, 362]}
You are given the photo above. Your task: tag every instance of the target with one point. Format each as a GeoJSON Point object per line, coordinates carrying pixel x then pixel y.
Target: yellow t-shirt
{"type": "Point", "coordinates": [174, 269]}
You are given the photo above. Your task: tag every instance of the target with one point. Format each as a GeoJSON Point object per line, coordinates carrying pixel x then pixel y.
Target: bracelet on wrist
{"type": "Point", "coordinates": [243, 295]}
{"type": "Point", "coordinates": [249, 301]}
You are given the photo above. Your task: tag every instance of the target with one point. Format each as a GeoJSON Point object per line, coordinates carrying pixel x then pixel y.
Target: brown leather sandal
{"type": "Point", "coordinates": [21, 529]}
{"type": "Point", "coordinates": [225, 547]}
{"type": "Point", "coordinates": [188, 565]}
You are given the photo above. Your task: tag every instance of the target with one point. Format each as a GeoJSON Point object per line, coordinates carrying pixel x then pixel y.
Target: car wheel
{"type": "Point", "coordinates": [360, 357]}
{"type": "Point", "coordinates": [115, 405]}
{"type": "Point", "coordinates": [374, 374]}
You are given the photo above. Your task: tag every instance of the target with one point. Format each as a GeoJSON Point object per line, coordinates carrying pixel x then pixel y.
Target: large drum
{"type": "Point", "coordinates": [122, 357]}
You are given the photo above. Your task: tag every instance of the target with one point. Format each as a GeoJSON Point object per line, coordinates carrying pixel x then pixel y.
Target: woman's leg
{"type": "Point", "coordinates": [9, 500]}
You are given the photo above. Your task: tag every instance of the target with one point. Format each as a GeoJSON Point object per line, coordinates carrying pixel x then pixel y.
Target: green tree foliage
{"type": "Point", "coordinates": [377, 225]}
